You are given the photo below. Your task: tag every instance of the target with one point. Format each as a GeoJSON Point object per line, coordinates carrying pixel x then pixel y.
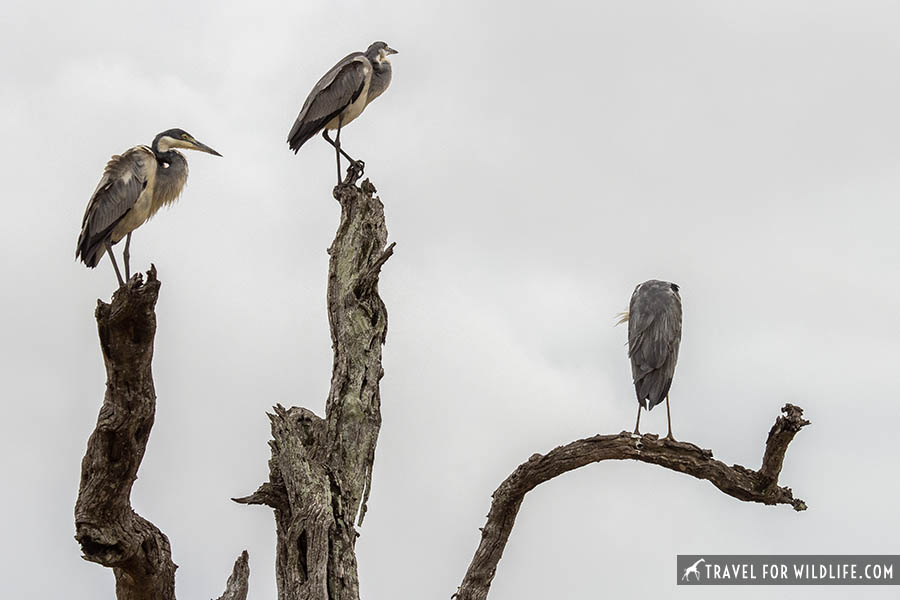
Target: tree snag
{"type": "Point", "coordinates": [108, 529]}
{"type": "Point", "coordinates": [321, 469]}
{"type": "Point", "coordinates": [237, 585]}
{"type": "Point", "coordinates": [737, 481]}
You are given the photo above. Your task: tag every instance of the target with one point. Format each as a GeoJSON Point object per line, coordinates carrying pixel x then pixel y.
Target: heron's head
{"type": "Point", "coordinates": [179, 138]}
{"type": "Point", "coordinates": [378, 53]}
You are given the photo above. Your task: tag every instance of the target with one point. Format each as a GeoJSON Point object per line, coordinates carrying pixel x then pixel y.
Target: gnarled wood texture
{"type": "Point", "coordinates": [108, 529]}
{"type": "Point", "coordinates": [237, 585]}
{"type": "Point", "coordinates": [321, 469]}
{"type": "Point", "coordinates": [737, 481]}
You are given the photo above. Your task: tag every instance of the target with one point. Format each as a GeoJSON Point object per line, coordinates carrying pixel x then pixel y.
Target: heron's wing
{"type": "Point", "coordinates": [124, 179]}
{"type": "Point", "coordinates": [654, 331]}
{"type": "Point", "coordinates": [654, 334]}
{"type": "Point", "coordinates": [339, 88]}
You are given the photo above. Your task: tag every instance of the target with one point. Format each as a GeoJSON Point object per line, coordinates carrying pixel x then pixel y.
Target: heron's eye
{"type": "Point", "coordinates": [185, 136]}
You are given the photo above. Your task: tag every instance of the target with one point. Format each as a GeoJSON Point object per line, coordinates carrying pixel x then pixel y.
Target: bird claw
{"type": "Point", "coordinates": [354, 172]}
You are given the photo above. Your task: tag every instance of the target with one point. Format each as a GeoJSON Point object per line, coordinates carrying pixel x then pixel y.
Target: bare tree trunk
{"type": "Point", "coordinates": [737, 481]}
{"type": "Point", "coordinates": [108, 529]}
{"type": "Point", "coordinates": [321, 469]}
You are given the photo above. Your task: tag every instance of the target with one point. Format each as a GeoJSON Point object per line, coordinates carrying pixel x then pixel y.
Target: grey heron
{"type": "Point", "coordinates": [341, 96]}
{"type": "Point", "coordinates": [135, 185]}
{"type": "Point", "coordinates": [654, 336]}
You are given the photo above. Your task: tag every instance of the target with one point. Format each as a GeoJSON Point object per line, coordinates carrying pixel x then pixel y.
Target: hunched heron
{"type": "Point", "coordinates": [341, 96]}
{"type": "Point", "coordinates": [654, 336]}
{"type": "Point", "coordinates": [135, 185]}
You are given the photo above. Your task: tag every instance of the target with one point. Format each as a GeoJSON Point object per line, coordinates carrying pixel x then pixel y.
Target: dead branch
{"type": "Point", "coordinates": [736, 481]}
{"type": "Point", "coordinates": [237, 585]}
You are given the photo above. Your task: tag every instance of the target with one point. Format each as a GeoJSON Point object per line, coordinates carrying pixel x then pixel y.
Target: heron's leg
{"type": "Point", "coordinates": [337, 145]}
{"type": "Point", "coordinates": [112, 259]}
{"type": "Point", "coordinates": [339, 149]}
{"type": "Point", "coordinates": [127, 256]}
{"type": "Point", "coordinates": [358, 164]}
{"type": "Point", "coordinates": [636, 432]}
{"type": "Point", "coordinates": [669, 416]}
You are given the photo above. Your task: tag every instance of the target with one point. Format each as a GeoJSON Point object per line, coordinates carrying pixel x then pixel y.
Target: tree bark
{"type": "Point", "coordinates": [737, 481]}
{"type": "Point", "coordinates": [321, 469]}
{"type": "Point", "coordinates": [237, 585]}
{"type": "Point", "coordinates": [108, 529]}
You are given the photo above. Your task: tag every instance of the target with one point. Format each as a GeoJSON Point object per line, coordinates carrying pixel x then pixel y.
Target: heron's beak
{"type": "Point", "coordinates": [390, 51]}
{"type": "Point", "coordinates": [204, 148]}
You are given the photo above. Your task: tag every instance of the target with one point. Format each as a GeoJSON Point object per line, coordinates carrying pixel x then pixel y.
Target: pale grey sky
{"type": "Point", "coordinates": [536, 161]}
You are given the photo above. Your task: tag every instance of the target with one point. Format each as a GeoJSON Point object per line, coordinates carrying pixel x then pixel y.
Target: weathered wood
{"type": "Point", "coordinates": [108, 529]}
{"type": "Point", "coordinates": [737, 481]}
{"type": "Point", "coordinates": [321, 469]}
{"type": "Point", "coordinates": [237, 585]}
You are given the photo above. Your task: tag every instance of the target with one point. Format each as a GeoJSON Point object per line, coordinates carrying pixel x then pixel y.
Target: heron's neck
{"type": "Point", "coordinates": [170, 178]}
{"type": "Point", "coordinates": [381, 79]}
{"type": "Point", "coordinates": [167, 157]}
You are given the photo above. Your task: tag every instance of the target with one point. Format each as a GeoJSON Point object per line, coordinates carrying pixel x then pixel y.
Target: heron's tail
{"type": "Point", "coordinates": [302, 131]}
{"type": "Point", "coordinates": [298, 139]}
{"type": "Point", "coordinates": [90, 254]}
{"type": "Point", "coordinates": [652, 389]}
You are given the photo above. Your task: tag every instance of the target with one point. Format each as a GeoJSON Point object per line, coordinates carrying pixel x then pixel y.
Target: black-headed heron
{"type": "Point", "coordinates": [341, 96]}
{"type": "Point", "coordinates": [654, 336]}
{"type": "Point", "coordinates": [135, 185]}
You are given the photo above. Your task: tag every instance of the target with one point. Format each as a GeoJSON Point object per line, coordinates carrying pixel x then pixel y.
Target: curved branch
{"type": "Point", "coordinates": [108, 529]}
{"type": "Point", "coordinates": [736, 481]}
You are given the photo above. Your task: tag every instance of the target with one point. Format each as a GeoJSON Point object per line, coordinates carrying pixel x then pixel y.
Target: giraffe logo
{"type": "Point", "coordinates": [692, 570]}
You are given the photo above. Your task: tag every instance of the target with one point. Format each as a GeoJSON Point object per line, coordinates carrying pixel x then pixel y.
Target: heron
{"type": "Point", "coordinates": [341, 96]}
{"type": "Point", "coordinates": [134, 186]}
{"type": "Point", "coordinates": [654, 336]}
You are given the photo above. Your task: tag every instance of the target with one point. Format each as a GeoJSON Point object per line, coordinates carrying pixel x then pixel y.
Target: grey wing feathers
{"type": "Point", "coordinates": [340, 87]}
{"type": "Point", "coordinates": [654, 337]}
{"type": "Point", "coordinates": [124, 178]}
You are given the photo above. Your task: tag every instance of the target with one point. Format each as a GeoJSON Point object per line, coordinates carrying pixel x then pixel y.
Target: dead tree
{"type": "Point", "coordinates": [321, 469]}
{"type": "Point", "coordinates": [108, 529]}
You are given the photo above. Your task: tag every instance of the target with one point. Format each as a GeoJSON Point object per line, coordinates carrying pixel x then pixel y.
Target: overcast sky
{"type": "Point", "coordinates": [536, 161]}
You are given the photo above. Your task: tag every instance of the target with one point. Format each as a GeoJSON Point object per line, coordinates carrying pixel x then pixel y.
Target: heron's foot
{"type": "Point", "coordinates": [358, 167]}
{"type": "Point", "coordinates": [354, 172]}
{"type": "Point", "coordinates": [671, 437]}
